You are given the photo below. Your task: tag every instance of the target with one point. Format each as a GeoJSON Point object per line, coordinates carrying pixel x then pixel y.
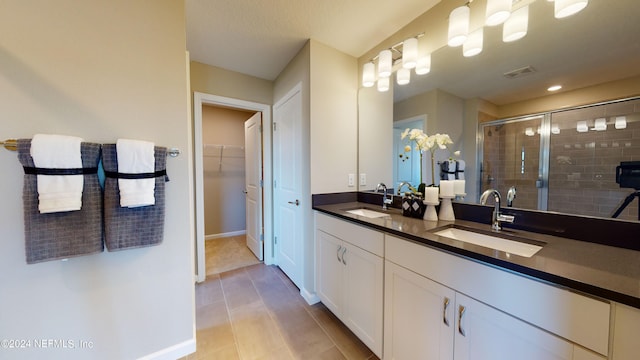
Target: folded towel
{"type": "Point", "coordinates": [136, 157]}
{"type": "Point", "coordinates": [460, 169]}
{"type": "Point", "coordinates": [57, 193]}
{"type": "Point", "coordinates": [448, 170]}
{"type": "Point", "coordinates": [62, 235]}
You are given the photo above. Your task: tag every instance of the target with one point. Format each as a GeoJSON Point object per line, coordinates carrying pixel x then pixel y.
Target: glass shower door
{"type": "Point", "coordinates": [511, 157]}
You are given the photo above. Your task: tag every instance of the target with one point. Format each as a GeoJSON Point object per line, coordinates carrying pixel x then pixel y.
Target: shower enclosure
{"type": "Point", "coordinates": [565, 160]}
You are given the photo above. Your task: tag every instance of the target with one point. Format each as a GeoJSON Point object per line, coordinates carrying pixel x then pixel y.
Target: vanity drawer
{"type": "Point", "coordinates": [366, 239]}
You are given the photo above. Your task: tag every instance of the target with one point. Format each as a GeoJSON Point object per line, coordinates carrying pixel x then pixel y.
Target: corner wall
{"type": "Point", "coordinates": [101, 71]}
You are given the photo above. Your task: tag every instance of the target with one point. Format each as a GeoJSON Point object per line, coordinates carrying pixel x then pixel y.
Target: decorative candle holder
{"type": "Point", "coordinates": [446, 209]}
{"type": "Point", "coordinates": [430, 213]}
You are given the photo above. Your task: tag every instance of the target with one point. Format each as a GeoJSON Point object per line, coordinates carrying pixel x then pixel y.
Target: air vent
{"type": "Point", "coordinates": [519, 72]}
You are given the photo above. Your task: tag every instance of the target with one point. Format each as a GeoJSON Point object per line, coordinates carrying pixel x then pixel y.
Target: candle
{"type": "Point", "coordinates": [431, 194]}
{"type": "Point", "coordinates": [446, 188]}
{"type": "Point", "coordinates": [458, 187]}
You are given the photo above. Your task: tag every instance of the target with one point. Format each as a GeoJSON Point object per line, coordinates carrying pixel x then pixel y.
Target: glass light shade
{"type": "Point", "coordinates": [529, 132]}
{"type": "Point", "coordinates": [409, 53]}
{"type": "Point", "coordinates": [368, 74]}
{"type": "Point", "coordinates": [582, 126]}
{"type": "Point", "coordinates": [555, 129]}
{"type": "Point", "coordinates": [458, 26]}
{"type": "Point", "coordinates": [515, 28]}
{"type": "Point", "coordinates": [621, 122]}
{"type": "Point", "coordinates": [383, 84]}
{"type": "Point", "coordinates": [498, 11]}
{"type": "Point", "coordinates": [384, 63]}
{"type": "Point", "coordinates": [423, 66]}
{"type": "Point", "coordinates": [473, 45]}
{"type": "Point", "coordinates": [403, 76]}
{"type": "Point", "coordinates": [601, 124]}
{"type": "Point", "coordinates": [564, 8]}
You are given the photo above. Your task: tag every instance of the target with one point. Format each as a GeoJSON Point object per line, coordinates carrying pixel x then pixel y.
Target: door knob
{"type": "Point", "coordinates": [296, 203]}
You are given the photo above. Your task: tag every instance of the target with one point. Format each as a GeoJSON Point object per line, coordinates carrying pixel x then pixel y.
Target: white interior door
{"type": "Point", "coordinates": [287, 162]}
{"type": "Point", "coordinates": [253, 188]}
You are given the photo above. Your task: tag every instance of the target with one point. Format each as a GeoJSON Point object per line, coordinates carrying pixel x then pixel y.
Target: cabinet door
{"type": "Point", "coordinates": [625, 333]}
{"type": "Point", "coordinates": [419, 318]}
{"type": "Point", "coordinates": [482, 332]}
{"type": "Point", "coordinates": [363, 284]}
{"type": "Point", "coordinates": [329, 269]}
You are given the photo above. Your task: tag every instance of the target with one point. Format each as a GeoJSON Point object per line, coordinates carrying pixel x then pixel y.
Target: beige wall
{"type": "Point", "coordinates": [224, 177]}
{"type": "Point", "coordinates": [101, 71]}
{"type": "Point", "coordinates": [217, 81]}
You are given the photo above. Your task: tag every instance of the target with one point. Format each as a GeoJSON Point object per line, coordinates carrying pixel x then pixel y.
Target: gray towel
{"type": "Point", "coordinates": [127, 228]}
{"type": "Point", "coordinates": [68, 234]}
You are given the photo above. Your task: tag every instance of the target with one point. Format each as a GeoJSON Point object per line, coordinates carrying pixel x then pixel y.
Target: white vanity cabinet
{"type": "Point", "coordinates": [626, 328]}
{"type": "Point", "coordinates": [455, 308]}
{"type": "Point", "coordinates": [349, 276]}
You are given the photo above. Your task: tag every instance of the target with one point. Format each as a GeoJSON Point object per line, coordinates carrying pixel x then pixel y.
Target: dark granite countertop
{"type": "Point", "coordinates": [602, 271]}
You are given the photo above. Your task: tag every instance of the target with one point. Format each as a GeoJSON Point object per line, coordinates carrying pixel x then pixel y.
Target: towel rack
{"type": "Point", "coordinates": [12, 144]}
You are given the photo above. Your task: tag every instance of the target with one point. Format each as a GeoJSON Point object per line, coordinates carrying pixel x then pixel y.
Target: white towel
{"type": "Point", "coordinates": [58, 193]}
{"type": "Point", "coordinates": [136, 157]}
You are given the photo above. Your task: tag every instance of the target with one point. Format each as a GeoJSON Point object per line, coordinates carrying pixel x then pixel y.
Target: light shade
{"type": "Point", "coordinates": [516, 26]}
{"type": "Point", "coordinates": [368, 74]}
{"type": "Point", "coordinates": [458, 26]}
{"type": "Point", "coordinates": [384, 63]}
{"type": "Point", "coordinates": [621, 122]}
{"type": "Point", "coordinates": [409, 53]}
{"type": "Point", "coordinates": [498, 11]}
{"type": "Point", "coordinates": [601, 124]}
{"type": "Point", "coordinates": [582, 126]}
{"type": "Point", "coordinates": [473, 45]}
{"type": "Point", "coordinates": [529, 131]}
{"type": "Point", "coordinates": [564, 8]}
{"type": "Point", "coordinates": [403, 76]}
{"type": "Point", "coordinates": [383, 84]}
{"type": "Point", "coordinates": [423, 66]}
{"type": "Point", "coordinates": [555, 129]}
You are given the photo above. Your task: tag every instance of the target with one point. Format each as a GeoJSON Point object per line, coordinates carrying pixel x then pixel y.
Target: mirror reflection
{"type": "Point", "coordinates": [592, 54]}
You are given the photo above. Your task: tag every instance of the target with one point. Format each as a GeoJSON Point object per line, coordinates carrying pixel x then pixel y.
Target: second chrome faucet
{"type": "Point", "coordinates": [496, 217]}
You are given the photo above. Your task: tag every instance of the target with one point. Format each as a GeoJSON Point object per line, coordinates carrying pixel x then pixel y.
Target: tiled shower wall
{"type": "Point", "coordinates": [582, 165]}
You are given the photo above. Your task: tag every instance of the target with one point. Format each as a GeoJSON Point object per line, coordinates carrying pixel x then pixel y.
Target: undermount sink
{"type": "Point", "coordinates": [367, 213]}
{"type": "Point", "coordinates": [493, 242]}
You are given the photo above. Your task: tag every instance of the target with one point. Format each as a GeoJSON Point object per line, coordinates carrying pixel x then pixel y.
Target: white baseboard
{"type": "Point", "coordinates": [174, 352]}
{"type": "Point", "coordinates": [224, 235]}
{"type": "Point", "coordinates": [310, 298]}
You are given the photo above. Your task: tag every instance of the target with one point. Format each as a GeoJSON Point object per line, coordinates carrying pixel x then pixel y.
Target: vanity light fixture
{"type": "Point", "coordinates": [600, 124]}
{"type": "Point", "coordinates": [555, 129]}
{"type": "Point", "coordinates": [403, 76]}
{"type": "Point", "coordinates": [409, 53]}
{"type": "Point", "coordinates": [369, 74]}
{"type": "Point", "coordinates": [529, 131]}
{"type": "Point", "coordinates": [515, 28]}
{"type": "Point", "coordinates": [621, 122]}
{"type": "Point", "coordinates": [473, 45]}
{"type": "Point", "coordinates": [423, 66]}
{"type": "Point", "coordinates": [564, 8]}
{"type": "Point", "coordinates": [582, 126]}
{"type": "Point", "coordinates": [383, 84]}
{"type": "Point", "coordinates": [554, 88]}
{"type": "Point", "coordinates": [497, 12]}
{"type": "Point", "coordinates": [458, 26]}
{"type": "Point", "coordinates": [385, 64]}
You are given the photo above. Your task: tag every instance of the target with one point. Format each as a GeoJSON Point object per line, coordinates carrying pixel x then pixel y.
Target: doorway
{"type": "Point", "coordinates": [202, 100]}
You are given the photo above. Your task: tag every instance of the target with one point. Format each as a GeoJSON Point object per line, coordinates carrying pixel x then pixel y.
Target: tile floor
{"type": "Point", "coordinates": [256, 312]}
{"type": "Point", "coordinates": [228, 253]}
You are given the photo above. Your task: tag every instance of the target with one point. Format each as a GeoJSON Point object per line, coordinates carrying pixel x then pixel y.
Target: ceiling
{"type": "Point", "coordinates": [259, 38]}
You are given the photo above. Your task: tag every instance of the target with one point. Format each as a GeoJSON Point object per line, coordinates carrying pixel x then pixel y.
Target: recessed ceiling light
{"type": "Point", "coordinates": [554, 88]}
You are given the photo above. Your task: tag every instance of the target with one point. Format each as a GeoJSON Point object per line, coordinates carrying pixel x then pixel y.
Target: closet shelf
{"type": "Point", "coordinates": [221, 151]}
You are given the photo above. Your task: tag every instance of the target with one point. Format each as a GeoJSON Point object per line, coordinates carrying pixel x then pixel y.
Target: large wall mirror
{"type": "Point", "coordinates": [593, 54]}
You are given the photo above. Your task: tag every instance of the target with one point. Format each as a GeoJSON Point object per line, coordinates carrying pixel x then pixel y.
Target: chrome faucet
{"type": "Point", "coordinates": [496, 217]}
{"type": "Point", "coordinates": [385, 200]}
{"type": "Point", "coordinates": [405, 183]}
{"type": "Point", "coordinates": [511, 195]}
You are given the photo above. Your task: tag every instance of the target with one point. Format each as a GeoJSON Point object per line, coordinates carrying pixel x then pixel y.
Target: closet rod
{"type": "Point", "coordinates": [12, 144]}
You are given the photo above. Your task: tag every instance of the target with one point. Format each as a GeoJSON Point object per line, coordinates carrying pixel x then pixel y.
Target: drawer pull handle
{"type": "Point", "coordinates": [344, 250]}
{"type": "Point", "coordinates": [338, 253]}
{"type": "Point", "coordinates": [444, 311]}
{"type": "Point", "coordinates": [461, 310]}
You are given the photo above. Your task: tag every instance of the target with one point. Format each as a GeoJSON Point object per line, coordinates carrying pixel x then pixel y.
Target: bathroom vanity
{"type": "Point", "coordinates": [409, 293]}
